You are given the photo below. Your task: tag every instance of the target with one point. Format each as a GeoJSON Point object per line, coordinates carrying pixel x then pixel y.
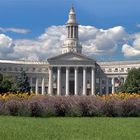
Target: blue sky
{"type": "Point", "coordinates": [37, 15]}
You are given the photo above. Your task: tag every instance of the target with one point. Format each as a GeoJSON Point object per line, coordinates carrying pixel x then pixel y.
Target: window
{"type": "Point", "coordinates": [97, 80]}
{"type": "Point", "coordinates": [103, 81]}
{"type": "Point", "coordinates": [33, 69]}
{"type": "Point", "coordinates": [16, 69]}
{"type": "Point", "coordinates": [21, 69]}
{"type": "Point", "coordinates": [4, 69]}
{"type": "Point", "coordinates": [27, 69]}
{"type": "Point", "coordinates": [128, 69]}
{"type": "Point", "coordinates": [116, 69]}
{"type": "Point", "coordinates": [45, 69]}
{"type": "Point", "coordinates": [33, 80]}
{"type": "Point", "coordinates": [103, 70]}
{"type": "Point", "coordinates": [39, 70]}
{"type": "Point", "coordinates": [9, 69]}
{"type": "Point", "coordinates": [109, 70]}
{"type": "Point", "coordinates": [97, 70]}
{"type": "Point", "coordinates": [122, 70]}
{"type": "Point", "coordinates": [110, 81]}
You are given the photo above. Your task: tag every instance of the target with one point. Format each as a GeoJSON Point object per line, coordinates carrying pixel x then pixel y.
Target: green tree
{"type": "Point", "coordinates": [132, 83]}
{"type": "Point", "coordinates": [1, 77]}
{"type": "Point", "coordinates": [5, 83]}
{"type": "Point", "coordinates": [22, 83]}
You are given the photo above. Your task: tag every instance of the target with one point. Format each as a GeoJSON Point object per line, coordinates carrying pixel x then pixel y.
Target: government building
{"type": "Point", "coordinates": [71, 72]}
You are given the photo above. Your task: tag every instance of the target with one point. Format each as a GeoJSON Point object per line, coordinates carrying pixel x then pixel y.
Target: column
{"type": "Point", "coordinates": [31, 83]}
{"type": "Point", "coordinates": [84, 82]}
{"type": "Point", "coordinates": [73, 31]}
{"type": "Point", "coordinates": [68, 32]}
{"type": "Point", "coordinates": [67, 81]}
{"type": "Point", "coordinates": [50, 88]}
{"type": "Point", "coordinates": [43, 86]}
{"type": "Point", "coordinates": [125, 79]}
{"type": "Point", "coordinates": [36, 86]}
{"type": "Point", "coordinates": [107, 86]}
{"type": "Point", "coordinates": [76, 34]}
{"type": "Point", "coordinates": [76, 81]}
{"type": "Point", "coordinates": [100, 85]}
{"type": "Point", "coordinates": [58, 81]}
{"type": "Point", "coordinates": [92, 81]}
{"type": "Point", "coordinates": [113, 85]}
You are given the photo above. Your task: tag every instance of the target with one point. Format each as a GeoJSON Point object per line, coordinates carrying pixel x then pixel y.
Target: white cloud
{"type": "Point", "coordinates": [15, 30]}
{"type": "Point", "coordinates": [133, 49]}
{"type": "Point", "coordinates": [99, 41]}
{"type": "Point", "coordinates": [94, 41]}
{"type": "Point", "coordinates": [138, 25]}
{"type": "Point", "coordinates": [5, 46]}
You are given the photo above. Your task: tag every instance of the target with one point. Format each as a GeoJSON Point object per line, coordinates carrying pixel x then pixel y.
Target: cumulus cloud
{"type": "Point", "coordinates": [15, 30]}
{"type": "Point", "coordinates": [138, 25]}
{"type": "Point", "coordinates": [99, 41]}
{"type": "Point", "coordinates": [132, 49]}
{"type": "Point", "coordinates": [94, 41]}
{"type": "Point", "coordinates": [5, 46]}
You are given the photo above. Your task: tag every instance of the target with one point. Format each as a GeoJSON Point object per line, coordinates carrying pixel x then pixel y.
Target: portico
{"type": "Point", "coordinates": [72, 71]}
{"type": "Point", "coordinates": [71, 82]}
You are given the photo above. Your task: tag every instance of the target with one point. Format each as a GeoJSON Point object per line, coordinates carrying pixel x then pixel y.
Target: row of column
{"type": "Point", "coordinates": [72, 32]}
{"type": "Point", "coordinates": [37, 85]}
{"type": "Point", "coordinates": [107, 85]}
{"type": "Point", "coordinates": [50, 87]}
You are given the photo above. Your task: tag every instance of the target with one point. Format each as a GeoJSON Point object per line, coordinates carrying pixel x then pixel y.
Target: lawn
{"type": "Point", "coordinates": [20, 128]}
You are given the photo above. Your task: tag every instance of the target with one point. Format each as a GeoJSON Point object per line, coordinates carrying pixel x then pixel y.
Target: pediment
{"type": "Point", "coordinates": [71, 56]}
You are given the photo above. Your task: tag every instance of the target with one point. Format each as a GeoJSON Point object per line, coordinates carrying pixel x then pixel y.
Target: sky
{"type": "Point", "coordinates": [35, 29]}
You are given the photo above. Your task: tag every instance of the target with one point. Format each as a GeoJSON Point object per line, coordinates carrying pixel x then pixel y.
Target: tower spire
{"type": "Point", "coordinates": [72, 15]}
{"type": "Point", "coordinates": [72, 41]}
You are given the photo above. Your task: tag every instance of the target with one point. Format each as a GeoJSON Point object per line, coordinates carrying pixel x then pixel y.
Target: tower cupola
{"type": "Point", "coordinates": [71, 44]}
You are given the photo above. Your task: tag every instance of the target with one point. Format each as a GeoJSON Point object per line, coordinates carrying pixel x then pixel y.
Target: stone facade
{"type": "Point", "coordinates": [71, 73]}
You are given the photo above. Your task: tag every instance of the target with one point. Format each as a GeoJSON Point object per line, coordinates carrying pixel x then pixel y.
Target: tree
{"type": "Point", "coordinates": [1, 77]}
{"type": "Point", "coordinates": [132, 83]}
{"type": "Point", "coordinates": [5, 83]}
{"type": "Point", "coordinates": [22, 83]}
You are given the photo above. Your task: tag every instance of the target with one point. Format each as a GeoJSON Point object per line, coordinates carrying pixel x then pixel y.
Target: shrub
{"type": "Point", "coordinates": [131, 107]}
{"type": "Point", "coordinates": [48, 105]}
{"type": "Point", "coordinates": [61, 106]}
{"type": "Point", "coordinates": [117, 105]}
{"type": "Point", "coordinates": [73, 108]}
{"type": "Point", "coordinates": [91, 106]}
{"type": "Point", "coordinates": [1, 106]}
{"type": "Point", "coordinates": [36, 107]}
{"type": "Point", "coordinates": [13, 107]}
{"type": "Point", "coordinates": [113, 107]}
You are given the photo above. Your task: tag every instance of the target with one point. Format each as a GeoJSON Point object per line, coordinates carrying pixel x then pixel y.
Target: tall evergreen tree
{"type": "Point", "coordinates": [23, 85]}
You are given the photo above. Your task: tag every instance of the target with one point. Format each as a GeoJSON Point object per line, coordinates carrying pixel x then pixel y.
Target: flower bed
{"type": "Point", "coordinates": [112, 105]}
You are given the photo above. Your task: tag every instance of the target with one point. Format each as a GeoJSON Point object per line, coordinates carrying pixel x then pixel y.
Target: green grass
{"type": "Point", "coordinates": [20, 128]}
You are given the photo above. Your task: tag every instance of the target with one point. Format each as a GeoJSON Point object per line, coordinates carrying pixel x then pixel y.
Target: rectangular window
{"type": "Point", "coordinates": [97, 80]}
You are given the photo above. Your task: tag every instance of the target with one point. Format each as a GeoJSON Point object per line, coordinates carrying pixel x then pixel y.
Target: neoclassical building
{"type": "Point", "coordinates": [72, 72]}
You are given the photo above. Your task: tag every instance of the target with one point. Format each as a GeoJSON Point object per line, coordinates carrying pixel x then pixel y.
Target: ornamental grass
{"type": "Point", "coordinates": [111, 105]}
